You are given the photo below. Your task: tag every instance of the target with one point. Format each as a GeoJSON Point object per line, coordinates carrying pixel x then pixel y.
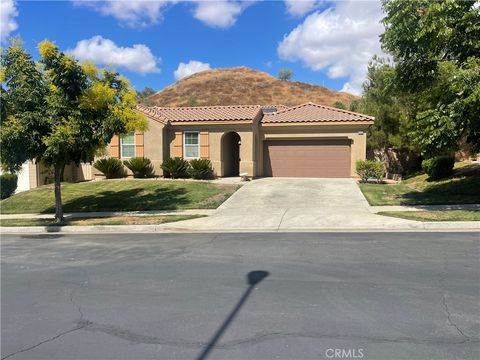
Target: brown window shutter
{"type": "Point", "coordinates": [139, 145]}
{"type": "Point", "coordinates": [204, 146]}
{"type": "Point", "coordinates": [178, 144]}
{"type": "Point", "coordinates": [114, 147]}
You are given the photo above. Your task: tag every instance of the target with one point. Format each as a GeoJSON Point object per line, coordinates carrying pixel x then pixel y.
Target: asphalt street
{"type": "Point", "coordinates": [241, 296]}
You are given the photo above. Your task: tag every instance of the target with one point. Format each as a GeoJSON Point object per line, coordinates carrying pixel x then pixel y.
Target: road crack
{"type": "Point", "coordinates": [259, 337]}
{"type": "Point", "coordinates": [281, 220]}
{"type": "Point", "coordinates": [443, 277]}
{"type": "Point", "coordinates": [80, 323]}
{"type": "Point", "coordinates": [74, 303]}
{"type": "Point", "coordinates": [449, 319]}
{"type": "Point", "coordinates": [53, 338]}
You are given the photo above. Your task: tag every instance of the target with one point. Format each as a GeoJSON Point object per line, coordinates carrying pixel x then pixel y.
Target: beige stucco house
{"type": "Point", "coordinates": [307, 140]}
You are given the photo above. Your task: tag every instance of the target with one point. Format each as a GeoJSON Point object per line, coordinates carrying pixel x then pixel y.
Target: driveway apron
{"type": "Point", "coordinates": [295, 204]}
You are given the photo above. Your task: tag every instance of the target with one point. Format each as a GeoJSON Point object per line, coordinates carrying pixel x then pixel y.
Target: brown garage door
{"type": "Point", "coordinates": [307, 158]}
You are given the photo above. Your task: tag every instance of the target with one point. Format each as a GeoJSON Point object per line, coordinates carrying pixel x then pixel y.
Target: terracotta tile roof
{"type": "Point", "coordinates": [308, 112]}
{"type": "Point", "coordinates": [311, 112]}
{"type": "Point", "coordinates": [209, 113]}
{"type": "Point", "coordinates": [152, 112]}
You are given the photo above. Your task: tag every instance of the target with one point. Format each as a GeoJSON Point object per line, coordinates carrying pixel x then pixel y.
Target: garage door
{"type": "Point", "coordinates": [307, 158]}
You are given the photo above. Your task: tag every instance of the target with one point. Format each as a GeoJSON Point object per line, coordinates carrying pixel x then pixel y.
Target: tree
{"type": "Point", "coordinates": [58, 111]}
{"type": "Point", "coordinates": [285, 74]}
{"type": "Point", "coordinates": [394, 111]}
{"type": "Point", "coordinates": [436, 47]}
{"type": "Point", "coordinates": [355, 105]}
{"type": "Point", "coordinates": [339, 105]}
{"type": "Point", "coordinates": [389, 138]}
{"type": "Point", "coordinates": [142, 96]}
{"type": "Point", "coordinates": [451, 110]}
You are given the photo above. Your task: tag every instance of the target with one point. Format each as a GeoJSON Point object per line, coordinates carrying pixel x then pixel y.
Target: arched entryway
{"type": "Point", "coordinates": [231, 154]}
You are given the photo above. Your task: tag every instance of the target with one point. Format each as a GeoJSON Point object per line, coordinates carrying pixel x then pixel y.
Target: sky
{"type": "Point", "coordinates": [155, 43]}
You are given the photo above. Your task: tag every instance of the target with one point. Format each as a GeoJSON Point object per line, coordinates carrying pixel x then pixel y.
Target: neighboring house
{"type": "Point", "coordinates": [33, 175]}
{"type": "Point", "coordinates": [307, 140]}
{"type": "Point", "coordinates": [23, 182]}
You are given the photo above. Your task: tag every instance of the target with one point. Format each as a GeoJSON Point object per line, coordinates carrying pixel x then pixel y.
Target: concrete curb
{"type": "Point", "coordinates": [419, 226]}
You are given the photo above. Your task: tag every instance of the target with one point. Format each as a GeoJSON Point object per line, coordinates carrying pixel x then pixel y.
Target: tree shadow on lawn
{"type": "Point", "coordinates": [463, 191]}
{"type": "Point", "coordinates": [127, 200]}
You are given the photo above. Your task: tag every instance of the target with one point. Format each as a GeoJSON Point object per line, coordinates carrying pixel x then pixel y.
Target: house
{"type": "Point", "coordinates": [307, 140]}
{"type": "Point", "coordinates": [32, 175]}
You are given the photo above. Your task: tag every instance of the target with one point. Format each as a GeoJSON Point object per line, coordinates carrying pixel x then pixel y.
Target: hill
{"type": "Point", "coordinates": [242, 85]}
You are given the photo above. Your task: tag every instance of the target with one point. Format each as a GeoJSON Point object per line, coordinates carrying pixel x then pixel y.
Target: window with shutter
{"type": "Point", "coordinates": [127, 146]}
{"type": "Point", "coordinates": [191, 145]}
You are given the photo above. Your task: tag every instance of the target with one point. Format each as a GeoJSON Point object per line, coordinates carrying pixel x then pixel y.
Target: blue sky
{"type": "Point", "coordinates": [325, 43]}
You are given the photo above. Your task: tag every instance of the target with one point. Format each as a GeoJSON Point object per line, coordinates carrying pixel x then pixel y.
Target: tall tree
{"type": "Point", "coordinates": [436, 49]}
{"type": "Point", "coordinates": [58, 111]}
{"type": "Point", "coordinates": [394, 111]}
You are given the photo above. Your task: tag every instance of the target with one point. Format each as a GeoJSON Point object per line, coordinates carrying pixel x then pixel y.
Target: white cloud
{"type": "Point", "coordinates": [221, 14]}
{"type": "Point", "coordinates": [8, 12]}
{"type": "Point", "coordinates": [137, 58]}
{"type": "Point", "coordinates": [142, 13]}
{"type": "Point", "coordinates": [341, 40]}
{"type": "Point", "coordinates": [300, 7]}
{"type": "Point", "coordinates": [133, 13]}
{"type": "Point", "coordinates": [190, 68]}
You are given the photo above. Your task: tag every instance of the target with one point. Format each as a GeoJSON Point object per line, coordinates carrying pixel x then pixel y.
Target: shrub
{"type": "Point", "coordinates": [200, 169]}
{"type": "Point", "coordinates": [8, 185]}
{"type": "Point", "coordinates": [175, 168]}
{"type": "Point", "coordinates": [368, 169]}
{"type": "Point", "coordinates": [141, 167]}
{"type": "Point", "coordinates": [110, 167]}
{"type": "Point", "coordinates": [438, 167]}
{"type": "Point", "coordinates": [285, 74]}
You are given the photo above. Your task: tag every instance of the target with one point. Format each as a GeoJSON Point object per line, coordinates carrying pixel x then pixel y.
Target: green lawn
{"type": "Point", "coordinates": [121, 195]}
{"type": "Point", "coordinates": [441, 215]}
{"type": "Point", "coordinates": [462, 188]}
{"type": "Point", "coordinates": [114, 220]}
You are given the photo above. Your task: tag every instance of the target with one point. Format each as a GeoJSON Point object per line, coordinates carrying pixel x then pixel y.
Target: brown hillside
{"type": "Point", "coordinates": [242, 85]}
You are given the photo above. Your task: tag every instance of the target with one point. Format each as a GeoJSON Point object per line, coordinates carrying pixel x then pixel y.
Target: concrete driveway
{"type": "Point", "coordinates": [295, 204]}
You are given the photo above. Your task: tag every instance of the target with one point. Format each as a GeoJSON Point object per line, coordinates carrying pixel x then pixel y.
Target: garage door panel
{"type": "Point", "coordinates": [307, 158]}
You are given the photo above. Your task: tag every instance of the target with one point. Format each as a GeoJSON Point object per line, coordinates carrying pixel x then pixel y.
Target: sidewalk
{"type": "Point", "coordinates": [105, 214]}
{"type": "Point", "coordinates": [208, 212]}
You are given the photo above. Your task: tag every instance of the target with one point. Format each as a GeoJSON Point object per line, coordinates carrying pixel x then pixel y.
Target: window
{"type": "Point", "coordinates": [191, 147]}
{"type": "Point", "coordinates": [127, 146]}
